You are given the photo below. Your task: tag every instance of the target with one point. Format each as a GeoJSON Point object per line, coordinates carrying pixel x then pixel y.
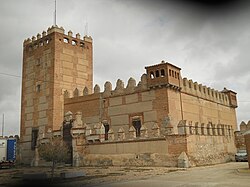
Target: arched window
{"type": "Point", "coordinates": [157, 74]}
{"type": "Point", "coordinates": [66, 40]}
{"type": "Point", "coordinates": [81, 44]}
{"type": "Point", "coordinates": [74, 42]}
{"type": "Point", "coordinates": [162, 73]}
{"type": "Point", "coordinates": [47, 41]}
{"type": "Point", "coordinates": [41, 43]}
{"type": "Point", "coordinates": [152, 76]}
{"type": "Point", "coordinates": [35, 45]}
{"type": "Point", "coordinates": [136, 122]}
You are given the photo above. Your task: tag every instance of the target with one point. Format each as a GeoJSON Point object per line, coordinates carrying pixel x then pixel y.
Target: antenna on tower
{"type": "Point", "coordinates": [86, 29]}
{"type": "Point", "coordinates": [55, 15]}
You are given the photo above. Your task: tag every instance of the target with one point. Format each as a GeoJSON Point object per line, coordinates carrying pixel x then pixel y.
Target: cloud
{"type": "Point", "coordinates": [208, 41]}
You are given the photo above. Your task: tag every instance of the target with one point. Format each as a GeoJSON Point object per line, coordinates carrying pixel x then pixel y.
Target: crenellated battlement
{"type": "Point", "coordinates": [204, 92]}
{"type": "Point", "coordinates": [119, 89]}
{"type": "Point", "coordinates": [45, 38]}
{"type": "Point", "coordinates": [187, 87]}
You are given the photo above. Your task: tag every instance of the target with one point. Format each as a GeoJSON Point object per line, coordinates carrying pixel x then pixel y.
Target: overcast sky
{"type": "Point", "coordinates": [209, 41]}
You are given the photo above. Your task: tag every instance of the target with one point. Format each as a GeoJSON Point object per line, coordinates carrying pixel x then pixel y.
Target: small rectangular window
{"type": "Point", "coordinates": [34, 136]}
{"type": "Point", "coordinates": [38, 88]}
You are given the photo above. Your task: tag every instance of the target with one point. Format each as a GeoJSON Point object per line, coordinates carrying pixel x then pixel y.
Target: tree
{"type": "Point", "coordinates": [55, 150]}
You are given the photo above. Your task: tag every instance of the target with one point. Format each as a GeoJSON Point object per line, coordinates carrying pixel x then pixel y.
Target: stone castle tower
{"type": "Point", "coordinates": [52, 63]}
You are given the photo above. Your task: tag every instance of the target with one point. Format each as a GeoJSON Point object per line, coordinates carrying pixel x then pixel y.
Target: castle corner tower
{"type": "Point", "coordinates": [53, 62]}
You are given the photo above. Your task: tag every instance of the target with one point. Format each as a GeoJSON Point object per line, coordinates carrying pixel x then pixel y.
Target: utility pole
{"type": "Point", "coordinates": [3, 125]}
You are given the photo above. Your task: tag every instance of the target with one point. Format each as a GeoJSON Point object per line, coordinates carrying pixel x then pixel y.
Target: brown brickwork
{"type": "Point", "coordinates": [52, 62]}
{"type": "Point", "coordinates": [247, 142]}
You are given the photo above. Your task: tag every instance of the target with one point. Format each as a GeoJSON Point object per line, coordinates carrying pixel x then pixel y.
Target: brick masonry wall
{"type": "Point", "coordinates": [247, 142]}
{"type": "Point", "coordinates": [201, 150]}
{"type": "Point", "coordinates": [55, 66]}
{"type": "Point", "coordinates": [207, 150]}
{"type": "Point", "coordinates": [150, 152]}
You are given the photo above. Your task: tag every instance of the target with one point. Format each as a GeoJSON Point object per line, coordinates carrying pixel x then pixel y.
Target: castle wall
{"type": "Point", "coordinates": [151, 152]}
{"type": "Point", "coordinates": [194, 103]}
{"type": "Point", "coordinates": [203, 104]}
{"type": "Point", "coordinates": [207, 150]}
{"type": "Point", "coordinates": [88, 105]}
{"type": "Point", "coordinates": [200, 149]}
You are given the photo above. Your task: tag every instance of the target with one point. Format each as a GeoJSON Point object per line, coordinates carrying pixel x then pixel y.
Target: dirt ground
{"type": "Point", "coordinates": [229, 174]}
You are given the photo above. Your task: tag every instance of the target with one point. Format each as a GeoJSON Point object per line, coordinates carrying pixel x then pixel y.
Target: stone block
{"type": "Point", "coordinates": [68, 51]}
{"type": "Point", "coordinates": [148, 96]}
{"type": "Point", "coordinates": [43, 106]}
{"type": "Point", "coordinates": [67, 78]}
{"type": "Point", "coordinates": [66, 58]}
{"type": "Point", "coordinates": [28, 131]}
{"type": "Point", "coordinates": [42, 99]}
{"type": "Point", "coordinates": [131, 108]}
{"type": "Point", "coordinates": [131, 98]}
{"type": "Point", "coordinates": [82, 74]}
{"type": "Point", "coordinates": [81, 68]}
{"type": "Point", "coordinates": [42, 114]}
{"type": "Point", "coordinates": [119, 120]}
{"type": "Point", "coordinates": [150, 116]}
{"type": "Point", "coordinates": [80, 81]}
{"type": "Point", "coordinates": [115, 101]}
{"type": "Point", "coordinates": [42, 121]}
{"type": "Point", "coordinates": [29, 110]}
{"type": "Point", "coordinates": [89, 120]}
{"type": "Point", "coordinates": [29, 116]}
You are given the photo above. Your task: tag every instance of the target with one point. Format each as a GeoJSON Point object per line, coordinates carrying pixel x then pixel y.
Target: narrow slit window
{"type": "Point", "coordinates": [38, 88]}
{"type": "Point", "coordinates": [106, 126]}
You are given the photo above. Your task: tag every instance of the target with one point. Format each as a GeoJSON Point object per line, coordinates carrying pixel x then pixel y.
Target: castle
{"type": "Point", "coordinates": [157, 121]}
